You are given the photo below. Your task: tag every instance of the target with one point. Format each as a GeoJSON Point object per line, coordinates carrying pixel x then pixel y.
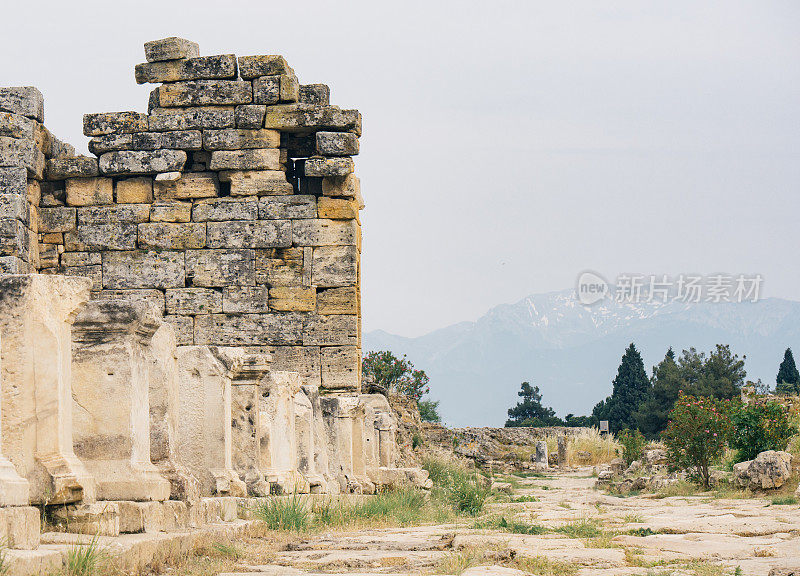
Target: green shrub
{"type": "Point", "coordinates": [284, 513]}
{"type": "Point", "coordinates": [696, 435]}
{"type": "Point", "coordinates": [461, 489]}
{"type": "Point", "coordinates": [633, 444]}
{"type": "Point", "coordinates": [758, 427]}
{"type": "Point", "coordinates": [429, 411]}
{"type": "Point", "coordinates": [416, 440]}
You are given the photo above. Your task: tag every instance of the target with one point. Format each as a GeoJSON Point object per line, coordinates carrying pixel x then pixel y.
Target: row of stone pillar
{"type": "Point", "coordinates": [98, 403]}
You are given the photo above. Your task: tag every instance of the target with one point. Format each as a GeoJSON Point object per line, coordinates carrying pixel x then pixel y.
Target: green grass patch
{"type": "Point", "coordinates": [784, 500]}
{"type": "Point", "coordinates": [86, 559]}
{"type": "Point", "coordinates": [465, 491]}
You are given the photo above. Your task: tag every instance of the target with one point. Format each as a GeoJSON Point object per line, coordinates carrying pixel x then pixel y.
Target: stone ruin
{"type": "Point", "coordinates": [180, 314]}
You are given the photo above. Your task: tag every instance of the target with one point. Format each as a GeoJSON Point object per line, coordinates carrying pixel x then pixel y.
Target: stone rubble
{"type": "Point", "coordinates": [180, 312]}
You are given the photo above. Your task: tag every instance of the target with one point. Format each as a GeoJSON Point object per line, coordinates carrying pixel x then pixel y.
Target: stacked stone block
{"type": "Point", "coordinates": [231, 205]}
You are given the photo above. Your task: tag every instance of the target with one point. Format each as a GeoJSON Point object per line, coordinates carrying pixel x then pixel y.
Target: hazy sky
{"type": "Point", "coordinates": [507, 145]}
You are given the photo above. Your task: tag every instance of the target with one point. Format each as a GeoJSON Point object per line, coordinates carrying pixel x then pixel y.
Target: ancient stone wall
{"type": "Point", "coordinates": [231, 204]}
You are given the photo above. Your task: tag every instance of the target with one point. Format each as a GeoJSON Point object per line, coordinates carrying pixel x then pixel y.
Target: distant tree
{"type": "Point", "coordinates": [788, 379]}
{"type": "Point", "coordinates": [530, 411]}
{"type": "Point", "coordinates": [572, 421]}
{"type": "Point", "coordinates": [630, 388]}
{"type": "Point", "coordinates": [429, 411]}
{"type": "Point", "coordinates": [652, 415]}
{"type": "Point", "coordinates": [396, 374]}
{"type": "Point", "coordinates": [723, 374]}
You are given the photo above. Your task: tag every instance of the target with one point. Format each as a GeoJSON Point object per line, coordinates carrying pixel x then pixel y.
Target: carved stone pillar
{"type": "Point", "coordinates": [14, 489]}
{"type": "Point", "coordinates": [204, 421]}
{"type": "Point", "coordinates": [164, 409]}
{"type": "Point", "coordinates": [111, 391]}
{"type": "Point", "coordinates": [36, 316]}
{"type": "Point", "coordinates": [278, 391]}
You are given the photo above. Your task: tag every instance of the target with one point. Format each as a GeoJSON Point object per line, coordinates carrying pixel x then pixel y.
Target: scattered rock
{"type": "Point", "coordinates": [770, 469]}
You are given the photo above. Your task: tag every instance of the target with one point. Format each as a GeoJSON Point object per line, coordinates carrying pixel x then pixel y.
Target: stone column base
{"type": "Point", "coordinates": [122, 481]}
{"type": "Point", "coordinates": [14, 489]}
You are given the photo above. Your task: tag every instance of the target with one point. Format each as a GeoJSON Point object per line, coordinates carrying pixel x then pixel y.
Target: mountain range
{"type": "Point", "coordinates": [572, 351]}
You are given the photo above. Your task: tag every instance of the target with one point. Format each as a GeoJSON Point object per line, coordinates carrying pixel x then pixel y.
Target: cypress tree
{"type": "Point", "coordinates": [631, 387]}
{"type": "Point", "coordinates": [788, 379]}
{"type": "Point", "coordinates": [652, 415]}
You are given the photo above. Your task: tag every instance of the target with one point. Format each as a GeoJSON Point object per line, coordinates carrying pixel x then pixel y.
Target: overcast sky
{"type": "Point", "coordinates": [507, 145]}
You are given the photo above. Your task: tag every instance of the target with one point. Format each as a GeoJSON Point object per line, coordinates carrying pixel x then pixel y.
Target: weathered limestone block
{"type": "Point", "coordinates": [18, 126]}
{"type": "Point", "coordinates": [191, 301]}
{"type": "Point", "coordinates": [71, 167]}
{"type": "Point", "coordinates": [184, 329]}
{"type": "Point", "coordinates": [23, 100]}
{"type": "Point", "coordinates": [13, 180]}
{"type": "Point", "coordinates": [246, 422]}
{"type": "Point", "coordinates": [204, 441]}
{"type": "Point", "coordinates": [293, 298]}
{"type": "Point", "coordinates": [171, 211]}
{"type": "Point", "coordinates": [15, 207]}
{"type": "Point", "coordinates": [200, 68]}
{"type": "Point", "coordinates": [301, 359]}
{"type": "Point", "coordinates": [173, 139]}
{"type": "Point", "coordinates": [23, 153]}
{"type": "Point", "coordinates": [172, 48]}
{"type": "Point", "coordinates": [36, 316]}
{"type": "Point", "coordinates": [341, 368]}
{"type": "Point", "coordinates": [207, 118]}
{"type": "Point", "coordinates": [114, 123]}
{"type": "Point", "coordinates": [89, 191]}
{"type": "Point", "coordinates": [287, 207]}
{"type": "Point", "coordinates": [274, 89]}
{"type": "Point", "coordinates": [337, 143]}
{"type": "Point", "coordinates": [540, 458]}
{"type": "Point", "coordinates": [187, 186]}
{"type": "Point", "coordinates": [278, 391]}
{"type": "Point", "coordinates": [111, 391]}
{"type": "Point", "coordinates": [169, 236]}
{"type": "Point", "coordinates": [332, 330]}
{"type": "Point", "coordinates": [14, 490]}
{"type": "Point", "coordinates": [335, 266]}
{"type": "Point", "coordinates": [322, 232]}
{"type": "Point", "coordinates": [248, 329]}
{"type": "Point", "coordinates": [317, 94]}
{"type": "Point", "coordinates": [380, 445]}
{"type": "Point", "coordinates": [14, 265]}
{"type": "Point", "coordinates": [257, 183]}
{"type": "Point", "coordinates": [338, 300]}
{"type": "Point", "coordinates": [20, 527]}
{"type": "Point", "coordinates": [254, 159]}
{"type": "Point", "coordinates": [346, 186]}
{"type": "Point", "coordinates": [134, 191]}
{"type": "Point", "coordinates": [142, 162]}
{"type": "Point", "coordinates": [99, 237]}
{"type": "Point", "coordinates": [328, 167]}
{"type": "Point", "coordinates": [263, 65]}
{"type": "Point", "coordinates": [142, 269]}
{"type": "Point", "coordinates": [250, 116]}
{"type": "Point", "coordinates": [135, 213]}
{"type": "Point", "coordinates": [770, 469]}
{"type": "Point", "coordinates": [238, 139]}
{"type": "Point", "coordinates": [309, 117]}
{"type": "Point", "coordinates": [14, 239]}
{"type": "Point", "coordinates": [222, 209]}
{"type": "Point", "coordinates": [57, 219]}
{"type": "Point", "coordinates": [217, 268]}
{"type": "Point", "coordinates": [153, 297]}
{"type": "Point", "coordinates": [245, 299]}
{"type": "Point", "coordinates": [205, 93]}
{"type": "Point", "coordinates": [250, 234]}
{"type": "Point", "coordinates": [164, 410]}
{"type": "Point", "coordinates": [562, 451]}
{"type": "Point", "coordinates": [280, 266]}
{"type": "Point", "coordinates": [337, 208]}
{"type": "Point", "coordinates": [110, 142]}
{"type": "Point", "coordinates": [93, 273]}
{"type": "Point", "coordinates": [344, 424]}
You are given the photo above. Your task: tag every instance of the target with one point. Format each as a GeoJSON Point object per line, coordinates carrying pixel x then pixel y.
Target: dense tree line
{"type": "Point", "coordinates": [643, 403]}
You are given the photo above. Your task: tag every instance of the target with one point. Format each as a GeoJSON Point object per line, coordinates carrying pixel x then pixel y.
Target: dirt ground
{"type": "Point", "coordinates": [572, 529]}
